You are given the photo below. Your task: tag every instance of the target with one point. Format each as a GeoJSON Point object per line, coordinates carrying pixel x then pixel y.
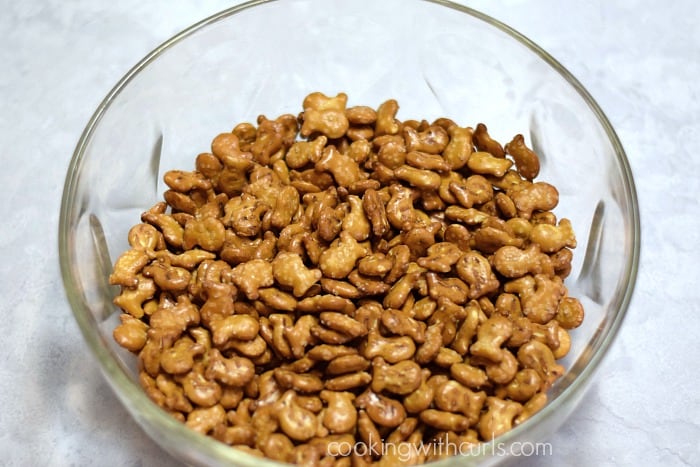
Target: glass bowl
{"type": "Point", "coordinates": [437, 59]}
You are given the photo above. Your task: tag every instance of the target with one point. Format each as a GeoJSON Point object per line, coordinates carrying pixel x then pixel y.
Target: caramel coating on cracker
{"type": "Point", "coordinates": [344, 276]}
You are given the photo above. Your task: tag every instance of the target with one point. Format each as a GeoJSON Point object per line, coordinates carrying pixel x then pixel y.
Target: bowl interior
{"type": "Point", "coordinates": [437, 59]}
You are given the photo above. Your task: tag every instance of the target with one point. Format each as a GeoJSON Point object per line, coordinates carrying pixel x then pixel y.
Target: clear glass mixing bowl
{"type": "Point", "coordinates": [437, 59]}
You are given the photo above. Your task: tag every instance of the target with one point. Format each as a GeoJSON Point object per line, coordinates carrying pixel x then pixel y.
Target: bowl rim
{"type": "Point", "coordinates": [128, 389]}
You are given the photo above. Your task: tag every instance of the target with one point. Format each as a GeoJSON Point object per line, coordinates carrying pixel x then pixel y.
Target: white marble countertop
{"type": "Point", "coordinates": [639, 59]}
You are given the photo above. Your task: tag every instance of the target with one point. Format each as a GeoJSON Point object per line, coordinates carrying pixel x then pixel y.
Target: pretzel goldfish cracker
{"type": "Point", "coordinates": [343, 276]}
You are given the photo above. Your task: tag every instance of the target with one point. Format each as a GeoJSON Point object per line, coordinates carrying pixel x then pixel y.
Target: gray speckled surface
{"type": "Point", "coordinates": [639, 59]}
